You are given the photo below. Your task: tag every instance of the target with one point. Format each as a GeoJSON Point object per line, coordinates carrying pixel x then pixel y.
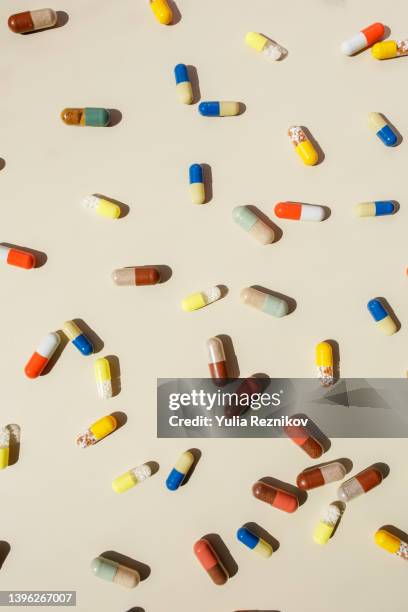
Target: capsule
{"type": "Point", "coordinates": [325, 363]}
{"type": "Point", "coordinates": [78, 338]}
{"type": "Point", "coordinates": [299, 212]}
{"type": "Point", "coordinates": [115, 572]}
{"type": "Point", "coordinates": [183, 84]}
{"type": "Point", "coordinates": [42, 355]}
{"type": "Point", "coordinates": [197, 185]}
{"type": "Point", "coordinates": [198, 300]}
{"type": "Point", "coordinates": [210, 561]}
{"type": "Point", "coordinates": [265, 302]}
{"type": "Point", "coordinates": [162, 11]}
{"type": "Point", "coordinates": [14, 257]}
{"type": "Point", "coordinates": [325, 528]}
{"type": "Point", "coordinates": [180, 471]}
{"type": "Point", "coordinates": [4, 447]}
{"type": "Point", "coordinates": [375, 209]}
{"type": "Point", "coordinates": [319, 476]}
{"type": "Point", "coordinates": [139, 275]}
{"type": "Point", "coordinates": [304, 147]}
{"type": "Point", "coordinates": [283, 500]}
{"type": "Point", "coordinates": [218, 109]}
{"type": "Point", "coordinates": [104, 207]}
{"type": "Point", "coordinates": [264, 45]}
{"type": "Point", "coordinates": [365, 38]}
{"type": "Point", "coordinates": [359, 484]}
{"type": "Point", "coordinates": [30, 21]}
{"type": "Point", "coordinates": [217, 360]}
{"type": "Point", "coordinates": [93, 117]}
{"type": "Point", "coordinates": [389, 49]}
{"type": "Point", "coordinates": [254, 542]}
{"type": "Point", "coordinates": [97, 431]}
{"type": "Point", "coordinates": [253, 224]}
{"type": "Point", "coordinates": [382, 128]}
{"type": "Point", "coordinates": [391, 543]}
{"type": "Point", "coordinates": [103, 378]}
{"type": "Point", "coordinates": [301, 437]}
{"type": "Point", "coordinates": [382, 318]}
{"type": "Point", "coordinates": [131, 478]}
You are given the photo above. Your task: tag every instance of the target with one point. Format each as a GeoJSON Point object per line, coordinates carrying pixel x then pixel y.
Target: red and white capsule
{"type": "Point", "coordinates": [299, 212]}
{"type": "Point", "coordinates": [40, 358]}
{"type": "Point", "coordinates": [367, 37]}
{"type": "Point", "coordinates": [217, 361]}
{"type": "Point", "coordinates": [14, 257]}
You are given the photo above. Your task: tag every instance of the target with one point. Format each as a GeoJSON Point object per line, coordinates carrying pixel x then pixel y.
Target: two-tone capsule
{"type": "Point", "coordinates": [296, 211]}
{"type": "Point", "coordinates": [4, 447]}
{"type": "Point", "coordinates": [265, 302]}
{"type": "Point", "coordinates": [361, 483]}
{"type": "Point", "coordinates": [254, 225]}
{"type": "Point", "coordinates": [97, 431]}
{"type": "Point", "coordinates": [30, 21]}
{"type": "Point", "coordinates": [136, 275]}
{"type": "Point", "coordinates": [42, 355]}
{"type": "Point", "coordinates": [219, 109]}
{"type": "Point", "coordinates": [327, 524]}
{"type": "Point", "coordinates": [302, 438]}
{"type": "Point", "coordinates": [325, 363]}
{"type": "Point", "coordinates": [15, 257]}
{"type": "Point", "coordinates": [162, 11]}
{"type": "Point", "coordinates": [254, 542]}
{"type": "Point", "coordinates": [183, 84]}
{"type": "Point", "coordinates": [378, 124]}
{"type": "Point", "coordinates": [389, 49]}
{"type": "Point", "coordinates": [93, 117]}
{"type": "Point", "coordinates": [198, 300]}
{"type": "Point", "coordinates": [278, 498]}
{"type": "Point", "coordinates": [131, 478]}
{"type": "Point", "coordinates": [391, 543]}
{"type": "Point", "coordinates": [319, 476]}
{"type": "Point", "coordinates": [375, 209]}
{"type": "Point", "coordinates": [78, 338]}
{"type": "Point", "coordinates": [180, 471]}
{"type": "Point", "coordinates": [382, 318]}
{"type": "Point", "coordinates": [115, 572]}
{"type": "Point", "coordinates": [365, 38]}
{"type": "Point", "coordinates": [303, 146]}
{"type": "Point", "coordinates": [266, 46]}
{"type": "Point", "coordinates": [217, 361]}
{"type": "Point", "coordinates": [197, 185]}
{"type": "Point", "coordinates": [102, 206]}
{"type": "Point", "coordinates": [210, 561]}
{"type": "Point", "coordinates": [103, 378]}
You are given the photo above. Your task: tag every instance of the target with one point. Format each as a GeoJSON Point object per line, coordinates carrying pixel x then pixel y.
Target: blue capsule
{"type": "Point", "coordinates": [180, 471]}
{"type": "Point", "coordinates": [197, 187]}
{"type": "Point", "coordinates": [254, 542]}
{"type": "Point", "coordinates": [375, 209]}
{"type": "Point", "coordinates": [219, 109]}
{"type": "Point", "coordinates": [383, 129]}
{"type": "Point", "coordinates": [382, 318]}
{"type": "Point", "coordinates": [78, 338]}
{"type": "Point", "coordinates": [183, 84]}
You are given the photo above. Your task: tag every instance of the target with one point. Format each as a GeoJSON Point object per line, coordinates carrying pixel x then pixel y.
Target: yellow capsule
{"type": "Point", "coordinates": [264, 45]}
{"type": "Point", "coordinates": [389, 49]}
{"type": "Point", "coordinates": [388, 541]}
{"type": "Point", "coordinates": [198, 300]}
{"type": "Point", "coordinates": [103, 378]}
{"type": "Point", "coordinates": [325, 528]}
{"type": "Point", "coordinates": [4, 447]}
{"type": "Point", "coordinates": [162, 11]}
{"type": "Point", "coordinates": [325, 362]}
{"type": "Point", "coordinates": [97, 431]}
{"type": "Point", "coordinates": [104, 207]}
{"type": "Point", "coordinates": [304, 147]}
{"type": "Point", "coordinates": [131, 478]}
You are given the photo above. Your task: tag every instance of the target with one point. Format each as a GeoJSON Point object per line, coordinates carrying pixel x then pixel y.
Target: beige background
{"type": "Point", "coordinates": [58, 510]}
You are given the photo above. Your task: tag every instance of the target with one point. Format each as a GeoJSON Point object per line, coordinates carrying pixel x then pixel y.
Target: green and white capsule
{"type": "Point", "coordinates": [270, 304]}
{"type": "Point", "coordinates": [115, 572]}
{"type": "Point", "coordinates": [251, 223]}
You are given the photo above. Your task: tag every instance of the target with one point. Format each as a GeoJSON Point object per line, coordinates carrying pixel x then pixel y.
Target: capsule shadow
{"type": "Point", "coordinates": [336, 358]}
{"type": "Point", "coordinates": [154, 467]}
{"type": "Point", "coordinates": [258, 213]}
{"type": "Point", "coordinates": [58, 352]}
{"type": "Point", "coordinates": [230, 356]}
{"type": "Point", "coordinates": [383, 468]}
{"type": "Point", "coordinates": [396, 206]}
{"type": "Point", "coordinates": [40, 257]}
{"type": "Point", "coordinates": [315, 431]}
{"type": "Point", "coordinates": [142, 569]}
{"type": "Point", "coordinates": [265, 535]}
{"type": "Point", "coordinates": [176, 13]}
{"type": "Point", "coordinates": [342, 507]}
{"type": "Point", "coordinates": [195, 83]}
{"type": "Point", "coordinates": [96, 341]}
{"type": "Point", "coordinates": [14, 444]}
{"type": "Point", "coordinates": [115, 117]}
{"type": "Point", "coordinates": [121, 419]}
{"type": "Point", "coordinates": [242, 108]}
{"type": "Point", "coordinates": [287, 487]}
{"type": "Point", "coordinates": [292, 304]}
{"type": "Point", "coordinates": [208, 182]}
{"type": "Point", "coordinates": [320, 153]}
{"type": "Point", "coordinates": [62, 19]}
{"type": "Point", "coordinates": [395, 531]}
{"type": "Point", "coordinates": [137, 610]}
{"type": "Point", "coordinates": [2, 163]}
{"type": "Point", "coordinates": [5, 549]}
{"type": "Point", "coordinates": [394, 129]}
{"type": "Point", "coordinates": [197, 456]}
{"type": "Point", "coordinates": [165, 273]}
{"type": "Point", "coordinates": [227, 560]}
{"type": "Point", "coordinates": [124, 208]}
{"type": "Point", "coordinates": [114, 366]}
{"type": "Point", "coordinates": [390, 311]}
{"type": "Point", "coordinates": [224, 291]}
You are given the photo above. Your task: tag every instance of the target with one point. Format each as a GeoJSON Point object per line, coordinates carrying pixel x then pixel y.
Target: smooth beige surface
{"type": "Point", "coordinates": [58, 510]}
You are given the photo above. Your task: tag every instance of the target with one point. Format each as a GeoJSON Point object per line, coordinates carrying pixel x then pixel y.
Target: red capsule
{"type": "Point", "coordinates": [278, 498]}
{"type": "Point", "coordinates": [300, 436]}
{"type": "Point", "coordinates": [208, 558]}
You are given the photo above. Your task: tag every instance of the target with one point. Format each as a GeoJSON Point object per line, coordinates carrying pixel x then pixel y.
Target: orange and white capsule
{"type": "Point", "coordinates": [42, 355]}
{"type": "Point", "coordinates": [15, 257]}
{"type": "Point", "coordinates": [304, 147]}
{"type": "Point", "coordinates": [363, 39]}
{"type": "Point", "coordinates": [217, 361]}
{"type": "Point", "coordinates": [295, 211]}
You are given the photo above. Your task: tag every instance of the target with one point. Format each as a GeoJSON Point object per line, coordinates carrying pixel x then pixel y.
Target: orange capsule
{"type": "Point", "coordinates": [301, 437]}
{"type": "Point", "coordinates": [208, 558]}
{"type": "Point", "coordinates": [40, 358]}
{"type": "Point", "coordinates": [14, 257]}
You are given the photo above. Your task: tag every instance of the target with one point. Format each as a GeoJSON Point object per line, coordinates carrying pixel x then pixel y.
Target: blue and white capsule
{"type": "Point", "coordinates": [254, 542]}
{"type": "Point", "coordinates": [375, 209]}
{"type": "Point", "coordinates": [381, 317]}
{"type": "Point", "coordinates": [78, 338]}
{"type": "Point", "coordinates": [183, 84]}
{"type": "Point", "coordinates": [219, 109]}
{"type": "Point", "coordinates": [180, 471]}
{"type": "Point", "coordinates": [197, 186]}
{"type": "Point", "coordinates": [383, 129]}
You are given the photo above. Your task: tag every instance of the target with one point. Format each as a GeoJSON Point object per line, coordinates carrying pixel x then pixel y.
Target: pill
{"type": "Point", "coordinates": [391, 543]}
{"type": "Point", "coordinates": [94, 117]}
{"type": "Point", "coordinates": [304, 147]}
{"type": "Point", "coordinates": [383, 129]}
{"type": "Point", "coordinates": [219, 109]}
{"type": "Point", "coordinates": [327, 524]}
{"type": "Point", "coordinates": [42, 355]}
{"type": "Point", "coordinates": [390, 48]}
{"type": "Point", "coordinates": [325, 363]}
{"type": "Point", "coordinates": [197, 186]}
{"type": "Point", "coordinates": [210, 561]}
{"type": "Point", "coordinates": [264, 45]}
{"type": "Point", "coordinates": [254, 542]}
{"type": "Point", "coordinates": [14, 257]}
{"type": "Point", "coordinates": [104, 207]}
{"type": "Point", "coordinates": [375, 209]}
{"type": "Point", "coordinates": [29, 21]}
{"type": "Point", "coordinates": [283, 500]}
{"type": "Point", "coordinates": [249, 387]}
{"type": "Point", "coordinates": [359, 484]}
{"type": "Point", "coordinates": [198, 300]}
{"type": "Point", "coordinates": [4, 447]}
{"type": "Point", "coordinates": [180, 471]}
{"type": "Point", "coordinates": [183, 84]}
{"type": "Point", "coordinates": [131, 478]}
{"type": "Point", "coordinates": [299, 212]}
{"type": "Point", "coordinates": [103, 378]}
{"type": "Point", "coordinates": [302, 438]}
{"type": "Point", "coordinates": [381, 317]}
{"type": "Point", "coordinates": [115, 572]}
{"type": "Point", "coordinates": [217, 360]}
{"type": "Point", "coordinates": [78, 338]}
{"type": "Point", "coordinates": [270, 304]}
{"type": "Point", "coordinates": [139, 275]}
{"type": "Point", "coordinates": [365, 38]}
{"type": "Point", "coordinates": [97, 431]}
{"type": "Point", "coordinates": [318, 476]}
{"type": "Point", "coordinates": [251, 223]}
{"type": "Point", "coordinates": [162, 11]}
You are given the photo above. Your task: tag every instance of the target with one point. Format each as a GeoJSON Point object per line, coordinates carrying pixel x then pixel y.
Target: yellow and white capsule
{"type": "Point", "coordinates": [103, 378]}
{"type": "Point", "coordinates": [4, 447]}
{"type": "Point", "coordinates": [264, 45]}
{"type": "Point", "coordinates": [325, 528]}
{"type": "Point", "coordinates": [387, 49]}
{"type": "Point", "coordinates": [391, 543]}
{"type": "Point", "coordinates": [325, 363]}
{"type": "Point", "coordinates": [180, 471]}
{"type": "Point", "coordinates": [99, 430]}
{"type": "Point", "coordinates": [304, 147]}
{"type": "Point", "coordinates": [198, 300]}
{"type": "Point", "coordinates": [102, 206]}
{"type": "Point", "coordinates": [131, 478]}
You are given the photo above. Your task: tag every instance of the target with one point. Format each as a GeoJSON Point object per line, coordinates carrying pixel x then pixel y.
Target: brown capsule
{"type": "Point", "coordinates": [301, 437]}
{"type": "Point", "coordinates": [210, 561]}
{"type": "Point", "coordinates": [31, 21]}
{"type": "Point", "coordinates": [139, 275]}
{"type": "Point", "coordinates": [278, 498]}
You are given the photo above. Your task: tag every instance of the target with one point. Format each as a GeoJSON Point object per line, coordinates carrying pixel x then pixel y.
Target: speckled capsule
{"type": "Point", "coordinates": [359, 484]}
{"type": "Point", "coordinates": [30, 21]}
{"type": "Point", "coordinates": [93, 117]}
{"type": "Point", "coordinates": [319, 476]}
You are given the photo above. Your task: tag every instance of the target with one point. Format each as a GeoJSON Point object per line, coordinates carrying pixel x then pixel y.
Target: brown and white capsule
{"type": "Point", "coordinates": [138, 275]}
{"type": "Point", "coordinates": [30, 21]}
{"type": "Point", "coordinates": [217, 361]}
